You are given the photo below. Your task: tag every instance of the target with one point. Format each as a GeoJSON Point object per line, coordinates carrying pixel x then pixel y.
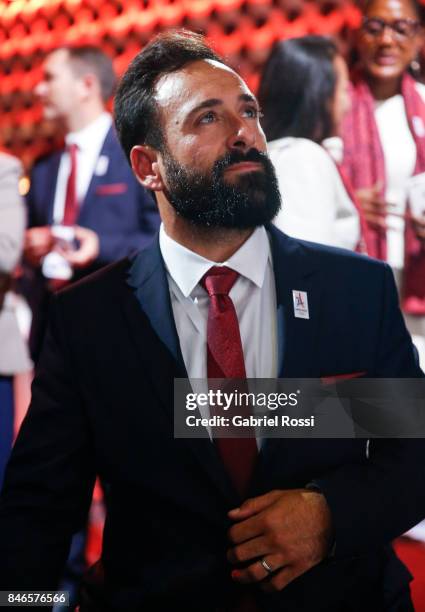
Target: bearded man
{"type": "Point", "coordinates": [197, 524]}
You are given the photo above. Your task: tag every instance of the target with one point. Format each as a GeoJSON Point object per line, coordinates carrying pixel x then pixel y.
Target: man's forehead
{"type": "Point", "coordinates": [60, 56]}
{"type": "Point", "coordinates": [198, 81]}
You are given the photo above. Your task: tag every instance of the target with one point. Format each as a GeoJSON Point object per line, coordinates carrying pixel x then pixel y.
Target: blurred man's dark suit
{"type": "Point", "coordinates": [103, 403]}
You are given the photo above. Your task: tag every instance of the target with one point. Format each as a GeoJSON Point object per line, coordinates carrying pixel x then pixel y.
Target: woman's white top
{"type": "Point", "coordinates": [400, 158]}
{"type": "Point", "coordinates": [315, 203]}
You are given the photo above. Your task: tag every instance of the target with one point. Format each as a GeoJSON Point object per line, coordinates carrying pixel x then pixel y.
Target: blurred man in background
{"type": "Point", "coordinates": [85, 207]}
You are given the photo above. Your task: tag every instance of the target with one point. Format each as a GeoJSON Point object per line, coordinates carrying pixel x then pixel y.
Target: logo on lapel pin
{"type": "Point", "coordinates": [300, 304]}
{"type": "Point", "coordinates": [102, 165]}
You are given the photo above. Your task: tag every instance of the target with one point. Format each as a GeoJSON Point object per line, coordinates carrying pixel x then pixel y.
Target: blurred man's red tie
{"type": "Point", "coordinates": [71, 204]}
{"type": "Point", "coordinates": [70, 212]}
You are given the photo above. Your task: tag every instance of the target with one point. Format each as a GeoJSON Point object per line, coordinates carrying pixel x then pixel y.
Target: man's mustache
{"type": "Point", "coordinates": [237, 157]}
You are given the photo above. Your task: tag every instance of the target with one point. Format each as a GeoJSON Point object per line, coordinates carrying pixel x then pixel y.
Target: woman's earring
{"type": "Point", "coordinates": [415, 67]}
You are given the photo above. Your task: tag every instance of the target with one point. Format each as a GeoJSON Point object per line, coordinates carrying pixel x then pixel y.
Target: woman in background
{"type": "Point", "coordinates": [384, 146]}
{"type": "Point", "coordinates": [304, 95]}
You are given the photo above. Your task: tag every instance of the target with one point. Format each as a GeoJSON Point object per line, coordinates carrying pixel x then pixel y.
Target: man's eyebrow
{"type": "Point", "coordinates": [248, 98]}
{"type": "Point", "coordinates": [211, 102]}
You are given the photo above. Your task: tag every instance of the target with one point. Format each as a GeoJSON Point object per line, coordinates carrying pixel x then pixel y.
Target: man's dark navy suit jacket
{"type": "Point", "coordinates": [103, 404]}
{"type": "Point", "coordinates": [121, 212]}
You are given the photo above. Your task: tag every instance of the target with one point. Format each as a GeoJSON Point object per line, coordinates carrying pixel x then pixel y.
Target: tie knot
{"type": "Point", "coordinates": [72, 148]}
{"type": "Point", "coordinates": [219, 280]}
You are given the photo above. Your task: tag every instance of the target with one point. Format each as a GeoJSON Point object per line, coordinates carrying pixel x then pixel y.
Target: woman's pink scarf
{"type": "Point", "coordinates": [364, 166]}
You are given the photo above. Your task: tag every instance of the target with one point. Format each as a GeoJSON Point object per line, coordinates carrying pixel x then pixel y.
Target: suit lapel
{"type": "Point", "coordinates": [161, 352]}
{"type": "Point", "coordinates": [296, 337]}
{"type": "Point", "coordinates": [96, 180]}
{"type": "Point", "coordinates": [50, 192]}
{"type": "Point", "coordinates": [148, 278]}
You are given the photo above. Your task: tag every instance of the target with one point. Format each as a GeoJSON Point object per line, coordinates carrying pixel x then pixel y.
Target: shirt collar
{"type": "Point", "coordinates": [92, 134]}
{"type": "Point", "coordinates": [187, 268]}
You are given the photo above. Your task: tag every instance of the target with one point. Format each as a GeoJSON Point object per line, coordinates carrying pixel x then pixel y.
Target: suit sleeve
{"type": "Point", "coordinates": [375, 502]}
{"type": "Point", "coordinates": [50, 476]}
{"type": "Point", "coordinates": [115, 246]}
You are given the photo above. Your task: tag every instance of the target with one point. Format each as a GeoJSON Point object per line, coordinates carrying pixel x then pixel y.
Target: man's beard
{"type": "Point", "coordinates": [209, 200]}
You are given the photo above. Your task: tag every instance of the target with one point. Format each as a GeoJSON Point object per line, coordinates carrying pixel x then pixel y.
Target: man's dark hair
{"type": "Point", "coordinates": [87, 58]}
{"type": "Point", "coordinates": [297, 87]}
{"type": "Point", "coordinates": [136, 114]}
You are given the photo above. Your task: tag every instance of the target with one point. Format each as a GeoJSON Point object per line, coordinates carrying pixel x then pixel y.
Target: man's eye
{"type": "Point", "coordinates": [252, 112]}
{"type": "Point", "coordinates": [207, 118]}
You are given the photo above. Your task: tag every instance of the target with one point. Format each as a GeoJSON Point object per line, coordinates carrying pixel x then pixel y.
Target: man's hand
{"type": "Point", "coordinates": [38, 242]}
{"type": "Point", "coordinates": [88, 250]}
{"type": "Point", "coordinates": [291, 530]}
{"type": "Point", "coordinates": [374, 208]}
{"type": "Point", "coordinates": [419, 227]}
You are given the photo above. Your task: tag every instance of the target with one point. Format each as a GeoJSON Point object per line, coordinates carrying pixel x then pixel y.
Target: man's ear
{"type": "Point", "coordinates": [145, 166]}
{"type": "Point", "coordinates": [88, 83]}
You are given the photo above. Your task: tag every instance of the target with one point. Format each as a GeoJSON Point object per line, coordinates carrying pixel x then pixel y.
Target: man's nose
{"type": "Point", "coordinates": [241, 137]}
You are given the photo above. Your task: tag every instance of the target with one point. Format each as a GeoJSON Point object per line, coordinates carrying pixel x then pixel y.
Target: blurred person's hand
{"type": "Point", "coordinates": [87, 251]}
{"type": "Point", "coordinates": [373, 206]}
{"type": "Point", "coordinates": [38, 242]}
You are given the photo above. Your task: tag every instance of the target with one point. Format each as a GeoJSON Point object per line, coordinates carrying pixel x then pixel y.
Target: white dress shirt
{"type": "Point", "coordinates": [315, 203]}
{"type": "Point", "coordinates": [253, 294]}
{"type": "Point", "coordinates": [89, 141]}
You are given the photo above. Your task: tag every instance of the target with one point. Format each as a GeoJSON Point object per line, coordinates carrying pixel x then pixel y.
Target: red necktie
{"type": "Point", "coordinates": [70, 212]}
{"type": "Point", "coordinates": [225, 360]}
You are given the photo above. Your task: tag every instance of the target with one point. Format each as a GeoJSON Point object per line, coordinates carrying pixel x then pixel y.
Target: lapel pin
{"type": "Point", "coordinates": [300, 304]}
{"type": "Point", "coordinates": [102, 165]}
